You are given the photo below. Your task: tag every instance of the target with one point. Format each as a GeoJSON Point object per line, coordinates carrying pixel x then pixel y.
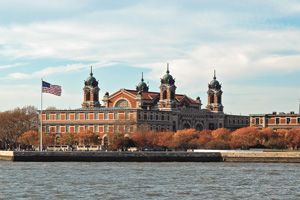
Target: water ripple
{"type": "Point", "coordinates": [69, 180]}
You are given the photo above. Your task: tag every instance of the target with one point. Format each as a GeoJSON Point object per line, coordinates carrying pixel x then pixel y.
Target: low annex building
{"type": "Point", "coordinates": [276, 120]}
{"type": "Point", "coordinates": [128, 110]}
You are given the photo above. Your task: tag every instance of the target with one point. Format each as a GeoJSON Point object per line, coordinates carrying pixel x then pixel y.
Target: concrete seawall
{"type": "Point", "coordinates": [32, 156]}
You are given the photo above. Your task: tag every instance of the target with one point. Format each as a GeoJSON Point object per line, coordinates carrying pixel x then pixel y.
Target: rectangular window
{"type": "Point", "coordinates": [126, 128]}
{"type": "Point", "coordinates": [298, 120]}
{"type": "Point", "coordinates": [57, 116]}
{"type": "Point", "coordinates": [67, 128]}
{"type": "Point", "coordinates": [57, 129]}
{"type": "Point", "coordinates": [76, 129]}
{"type": "Point", "coordinates": [86, 116]}
{"type": "Point", "coordinates": [277, 120]}
{"type": "Point", "coordinates": [96, 130]}
{"type": "Point", "coordinates": [105, 128]}
{"type": "Point", "coordinates": [115, 115]}
{"type": "Point", "coordinates": [47, 129]}
{"type": "Point", "coordinates": [96, 116]}
{"type": "Point", "coordinates": [76, 116]}
{"type": "Point", "coordinates": [288, 120]}
{"type": "Point", "coordinates": [105, 115]}
{"type": "Point", "coordinates": [86, 127]}
{"type": "Point", "coordinates": [47, 116]}
{"type": "Point", "coordinates": [257, 120]}
{"type": "Point", "coordinates": [116, 128]}
{"type": "Point", "coordinates": [67, 116]}
{"type": "Point", "coordinates": [126, 115]}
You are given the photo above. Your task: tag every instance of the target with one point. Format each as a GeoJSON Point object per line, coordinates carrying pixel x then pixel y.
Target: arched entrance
{"type": "Point", "coordinates": [186, 126]}
{"type": "Point", "coordinates": [199, 127]}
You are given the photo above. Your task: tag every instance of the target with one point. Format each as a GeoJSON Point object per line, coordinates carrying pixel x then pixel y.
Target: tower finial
{"type": "Point", "coordinates": [215, 74]}
{"type": "Point", "coordinates": [142, 77]}
{"type": "Point", "coordinates": [91, 71]}
{"type": "Point", "coordinates": [168, 68]}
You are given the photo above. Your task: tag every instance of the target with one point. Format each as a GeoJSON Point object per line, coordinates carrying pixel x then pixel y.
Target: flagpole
{"type": "Point", "coordinates": [41, 128]}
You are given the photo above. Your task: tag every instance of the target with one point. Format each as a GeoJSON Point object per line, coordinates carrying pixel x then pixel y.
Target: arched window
{"type": "Point", "coordinates": [186, 126]}
{"type": "Point", "coordinates": [164, 94]}
{"type": "Point", "coordinates": [172, 95]}
{"type": "Point", "coordinates": [122, 104]}
{"type": "Point", "coordinates": [88, 96]}
{"type": "Point", "coordinates": [212, 99]}
{"type": "Point", "coordinates": [96, 96]}
{"type": "Point", "coordinates": [174, 127]}
{"type": "Point", "coordinates": [219, 99]}
{"type": "Point", "coordinates": [199, 127]}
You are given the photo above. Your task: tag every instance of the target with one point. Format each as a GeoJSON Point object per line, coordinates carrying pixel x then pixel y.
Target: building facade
{"type": "Point", "coordinates": [275, 120]}
{"type": "Point", "coordinates": [130, 110]}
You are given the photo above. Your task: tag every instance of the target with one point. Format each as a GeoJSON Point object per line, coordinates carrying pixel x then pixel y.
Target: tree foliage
{"type": "Point", "coordinates": [14, 123]}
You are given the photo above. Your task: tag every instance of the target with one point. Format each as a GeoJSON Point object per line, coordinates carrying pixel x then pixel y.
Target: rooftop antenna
{"type": "Point", "coordinates": [168, 68]}
{"type": "Point", "coordinates": [91, 71]}
{"type": "Point", "coordinates": [142, 77]}
{"type": "Point", "coordinates": [215, 74]}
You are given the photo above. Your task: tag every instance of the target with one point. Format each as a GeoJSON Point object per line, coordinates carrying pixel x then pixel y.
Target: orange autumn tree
{"type": "Point", "coordinates": [204, 137]}
{"type": "Point", "coordinates": [165, 139]}
{"type": "Point", "coordinates": [244, 138]}
{"type": "Point", "coordinates": [220, 139]}
{"type": "Point", "coordinates": [29, 138]}
{"type": "Point", "coordinates": [140, 139]}
{"type": "Point", "coordinates": [33, 138]}
{"type": "Point", "coordinates": [48, 139]}
{"type": "Point", "coordinates": [120, 141]}
{"type": "Point", "coordinates": [275, 139]}
{"type": "Point", "coordinates": [70, 138]}
{"type": "Point", "coordinates": [292, 138]}
{"type": "Point", "coordinates": [87, 137]}
{"type": "Point", "coordinates": [143, 139]}
{"type": "Point", "coordinates": [187, 138]}
{"type": "Point", "coordinates": [264, 135]}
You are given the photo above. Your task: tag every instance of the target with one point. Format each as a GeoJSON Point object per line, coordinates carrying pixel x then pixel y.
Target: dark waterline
{"type": "Point", "coordinates": [30, 180]}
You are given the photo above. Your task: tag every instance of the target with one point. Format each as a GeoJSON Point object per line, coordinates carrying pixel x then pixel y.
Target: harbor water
{"type": "Point", "coordinates": [130, 180]}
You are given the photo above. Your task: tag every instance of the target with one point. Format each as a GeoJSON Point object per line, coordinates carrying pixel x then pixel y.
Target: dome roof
{"type": "Point", "coordinates": [91, 80]}
{"type": "Point", "coordinates": [168, 78]}
{"type": "Point", "coordinates": [214, 84]}
{"type": "Point", "coordinates": [142, 86]}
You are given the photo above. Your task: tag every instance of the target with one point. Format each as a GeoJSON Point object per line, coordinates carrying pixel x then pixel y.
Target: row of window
{"type": "Point", "coordinates": [277, 121]}
{"type": "Point", "coordinates": [238, 121]}
{"type": "Point", "coordinates": [58, 128]}
{"type": "Point", "coordinates": [57, 116]}
{"type": "Point", "coordinates": [151, 117]}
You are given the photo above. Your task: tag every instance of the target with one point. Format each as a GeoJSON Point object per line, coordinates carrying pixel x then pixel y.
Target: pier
{"type": "Point", "coordinates": [114, 156]}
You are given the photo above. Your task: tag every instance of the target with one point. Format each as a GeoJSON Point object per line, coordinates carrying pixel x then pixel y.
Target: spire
{"type": "Point", "coordinates": [142, 86]}
{"type": "Point", "coordinates": [215, 75]}
{"type": "Point", "coordinates": [91, 71]}
{"type": "Point", "coordinates": [168, 68]}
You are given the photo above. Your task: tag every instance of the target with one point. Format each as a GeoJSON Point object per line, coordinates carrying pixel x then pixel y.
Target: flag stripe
{"type": "Point", "coordinates": [52, 89]}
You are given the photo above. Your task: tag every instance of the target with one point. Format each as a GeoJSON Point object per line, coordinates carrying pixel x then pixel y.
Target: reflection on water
{"type": "Point", "coordinates": [69, 180]}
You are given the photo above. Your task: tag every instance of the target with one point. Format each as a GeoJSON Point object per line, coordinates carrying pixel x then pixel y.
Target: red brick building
{"type": "Point", "coordinates": [128, 110]}
{"type": "Point", "coordinates": [275, 121]}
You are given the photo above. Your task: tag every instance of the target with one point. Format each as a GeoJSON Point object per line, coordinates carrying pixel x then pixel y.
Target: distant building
{"type": "Point", "coordinates": [129, 110]}
{"type": "Point", "coordinates": [275, 121]}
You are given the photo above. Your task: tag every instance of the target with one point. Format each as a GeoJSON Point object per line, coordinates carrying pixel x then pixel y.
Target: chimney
{"type": "Point", "coordinates": [274, 113]}
{"type": "Point", "coordinates": [292, 112]}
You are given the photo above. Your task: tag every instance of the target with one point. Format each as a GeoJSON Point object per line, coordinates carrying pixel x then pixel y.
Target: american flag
{"type": "Point", "coordinates": [52, 89]}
